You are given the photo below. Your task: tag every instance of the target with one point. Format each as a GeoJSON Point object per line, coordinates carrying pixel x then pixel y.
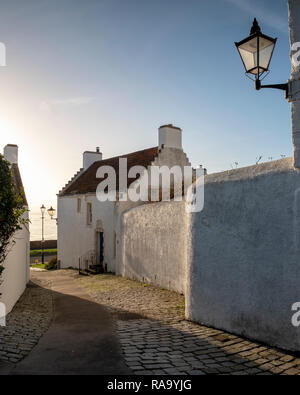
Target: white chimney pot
{"type": "Point", "coordinates": [11, 153]}
{"type": "Point", "coordinates": [170, 136]}
{"type": "Point", "coordinates": [90, 157]}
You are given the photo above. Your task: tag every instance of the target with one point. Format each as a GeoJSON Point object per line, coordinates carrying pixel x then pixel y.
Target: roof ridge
{"type": "Point", "coordinates": [125, 155]}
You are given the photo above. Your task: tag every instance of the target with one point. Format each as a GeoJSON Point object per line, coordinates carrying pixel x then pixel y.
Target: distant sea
{"type": "Point", "coordinates": [50, 227]}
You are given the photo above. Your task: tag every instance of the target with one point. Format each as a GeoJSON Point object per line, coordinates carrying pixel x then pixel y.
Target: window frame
{"type": "Point", "coordinates": [78, 205]}
{"type": "Point", "coordinates": [89, 213]}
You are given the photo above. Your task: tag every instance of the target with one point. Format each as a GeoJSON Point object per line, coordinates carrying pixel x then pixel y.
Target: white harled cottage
{"type": "Point", "coordinates": [88, 230]}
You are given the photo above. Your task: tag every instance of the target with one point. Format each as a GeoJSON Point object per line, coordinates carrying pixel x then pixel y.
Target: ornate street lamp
{"type": "Point", "coordinates": [256, 53]}
{"type": "Point", "coordinates": [43, 209]}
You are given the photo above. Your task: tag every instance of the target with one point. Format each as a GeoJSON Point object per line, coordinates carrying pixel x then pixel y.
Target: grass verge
{"type": "Point", "coordinates": [38, 265]}
{"type": "Point", "coordinates": [50, 251]}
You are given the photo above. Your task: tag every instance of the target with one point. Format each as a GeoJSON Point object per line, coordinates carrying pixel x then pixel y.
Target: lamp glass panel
{"type": "Point", "coordinates": [248, 52]}
{"type": "Point", "coordinates": [265, 53]}
{"type": "Point", "coordinates": [249, 59]}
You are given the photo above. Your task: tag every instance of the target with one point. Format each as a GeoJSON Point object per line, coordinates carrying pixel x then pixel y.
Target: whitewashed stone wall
{"type": "Point", "coordinates": [244, 257]}
{"type": "Point", "coordinates": [17, 269]}
{"type": "Point", "coordinates": [294, 83]}
{"type": "Point", "coordinates": [75, 237]}
{"type": "Point", "coordinates": [153, 245]}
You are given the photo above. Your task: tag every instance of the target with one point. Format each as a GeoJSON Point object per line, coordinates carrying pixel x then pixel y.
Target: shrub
{"type": "Point", "coordinates": [51, 265]}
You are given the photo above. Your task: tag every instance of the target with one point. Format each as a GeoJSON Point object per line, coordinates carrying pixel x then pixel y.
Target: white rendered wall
{"type": "Point", "coordinates": [294, 83]}
{"type": "Point", "coordinates": [76, 238]}
{"type": "Point", "coordinates": [153, 245]}
{"type": "Point", "coordinates": [17, 269]}
{"type": "Point", "coordinates": [243, 266]}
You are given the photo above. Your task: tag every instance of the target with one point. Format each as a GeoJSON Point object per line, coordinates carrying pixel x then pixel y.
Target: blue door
{"type": "Point", "coordinates": [101, 250]}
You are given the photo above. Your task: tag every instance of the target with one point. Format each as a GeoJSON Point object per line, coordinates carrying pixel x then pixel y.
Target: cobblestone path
{"type": "Point", "coordinates": [26, 323]}
{"type": "Point", "coordinates": [154, 335]}
{"type": "Point", "coordinates": [156, 339]}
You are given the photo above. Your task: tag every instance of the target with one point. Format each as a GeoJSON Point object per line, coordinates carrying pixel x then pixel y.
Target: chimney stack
{"type": "Point", "coordinates": [169, 136]}
{"type": "Point", "coordinates": [11, 153]}
{"type": "Point", "coordinates": [90, 157]}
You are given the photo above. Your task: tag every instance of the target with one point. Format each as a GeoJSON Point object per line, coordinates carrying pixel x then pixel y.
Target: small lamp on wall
{"type": "Point", "coordinates": [51, 212]}
{"type": "Point", "coordinates": [256, 52]}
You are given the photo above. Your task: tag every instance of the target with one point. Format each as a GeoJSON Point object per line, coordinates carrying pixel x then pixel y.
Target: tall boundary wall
{"type": "Point", "coordinates": [243, 267]}
{"type": "Point", "coordinates": [153, 245]}
{"type": "Point", "coordinates": [237, 261]}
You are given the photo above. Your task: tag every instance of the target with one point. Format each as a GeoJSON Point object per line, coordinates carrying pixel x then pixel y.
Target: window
{"type": "Point", "coordinates": [78, 205]}
{"type": "Point", "coordinates": [89, 215]}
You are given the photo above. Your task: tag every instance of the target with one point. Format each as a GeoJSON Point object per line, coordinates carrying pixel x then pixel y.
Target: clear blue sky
{"type": "Point", "coordinates": [108, 73]}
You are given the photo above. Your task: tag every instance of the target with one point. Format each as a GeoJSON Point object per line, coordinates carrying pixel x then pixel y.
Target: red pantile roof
{"type": "Point", "coordinates": [87, 181]}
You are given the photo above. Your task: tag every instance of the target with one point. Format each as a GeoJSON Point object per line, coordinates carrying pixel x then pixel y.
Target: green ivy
{"type": "Point", "coordinates": [11, 210]}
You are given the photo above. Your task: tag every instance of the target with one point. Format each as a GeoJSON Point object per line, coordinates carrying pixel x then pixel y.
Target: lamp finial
{"type": "Point", "coordinates": [255, 27]}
